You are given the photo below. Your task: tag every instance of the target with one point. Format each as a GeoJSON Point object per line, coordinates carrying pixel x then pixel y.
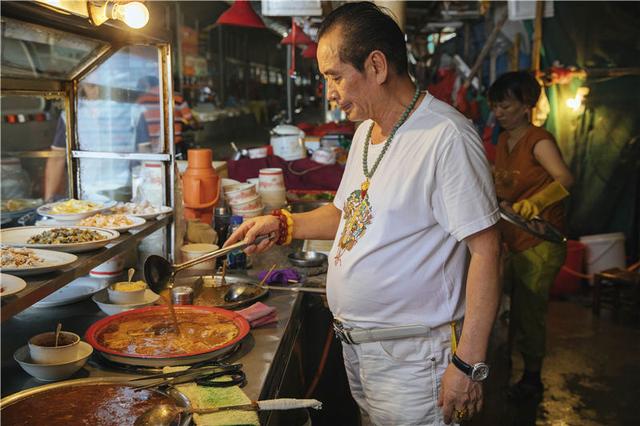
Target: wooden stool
{"type": "Point", "coordinates": [617, 288]}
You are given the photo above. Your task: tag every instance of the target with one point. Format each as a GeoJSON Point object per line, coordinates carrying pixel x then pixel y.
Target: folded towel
{"type": "Point", "coordinates": [259, 314]}
{"type": "Point", "coordinates": [281, 276]}
{"type": "Point", "coordinates": [208, 397]}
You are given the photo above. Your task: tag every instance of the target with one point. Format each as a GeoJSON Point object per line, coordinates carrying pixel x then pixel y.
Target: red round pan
{"type": "Point", "coordinates": [91, 336]}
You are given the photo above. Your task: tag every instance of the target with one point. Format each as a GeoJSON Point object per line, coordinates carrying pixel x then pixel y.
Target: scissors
{"type": "Point", "coordinates": [236, 378]}
{"type": "Point", "coordinates": [192, 374]}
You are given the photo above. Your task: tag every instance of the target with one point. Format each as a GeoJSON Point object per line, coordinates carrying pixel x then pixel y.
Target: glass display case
{"type": "Point", "coordinates": [85, 111]}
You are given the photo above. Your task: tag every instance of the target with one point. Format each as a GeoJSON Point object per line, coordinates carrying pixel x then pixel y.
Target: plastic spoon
{"type": "Point", "coordinates": [58, 329]}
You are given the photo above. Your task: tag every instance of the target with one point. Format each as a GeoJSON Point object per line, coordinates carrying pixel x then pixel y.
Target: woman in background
{"type": "Point", "coordinates": [530, 175]}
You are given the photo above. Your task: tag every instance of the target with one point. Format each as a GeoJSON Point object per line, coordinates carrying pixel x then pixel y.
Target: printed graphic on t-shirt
{"type": "Point", "coordinates": [357, 215]}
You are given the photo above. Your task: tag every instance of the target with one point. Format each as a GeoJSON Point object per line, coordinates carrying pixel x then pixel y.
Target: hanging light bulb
{"type": "Point", "coordinates": [134, 14]}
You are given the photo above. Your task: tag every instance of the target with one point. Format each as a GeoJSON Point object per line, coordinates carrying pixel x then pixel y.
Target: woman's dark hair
{"type": "Point", "coordinates": [519, 85]}
{"type": "Point", "coordinates": [364, 28]}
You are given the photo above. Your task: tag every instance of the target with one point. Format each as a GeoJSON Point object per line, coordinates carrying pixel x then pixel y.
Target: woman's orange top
{"type": "Point", "coordinates": [518, 175]}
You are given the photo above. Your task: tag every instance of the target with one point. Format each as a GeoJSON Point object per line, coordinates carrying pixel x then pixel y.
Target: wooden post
{"type": "Point", "coordinates": [537, 37]}
{"type": "Point", "coordinates": [485, 49]}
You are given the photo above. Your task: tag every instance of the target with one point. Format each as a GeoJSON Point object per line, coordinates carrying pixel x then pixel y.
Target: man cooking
{"type": "Point", "coordinates": [415, 248]}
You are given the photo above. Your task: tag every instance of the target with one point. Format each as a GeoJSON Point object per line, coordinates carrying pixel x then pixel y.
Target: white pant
{"type": "Point", "coordinates": [396, 382]}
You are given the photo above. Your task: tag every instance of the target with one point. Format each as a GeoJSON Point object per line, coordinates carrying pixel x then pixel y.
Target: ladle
{"type": "Point", "coordinates": [165, 414]}
{"type": "Point", "coordinates": [159, 273]}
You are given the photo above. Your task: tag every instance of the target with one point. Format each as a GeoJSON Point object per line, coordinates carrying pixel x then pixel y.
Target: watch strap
{"type": "Point", "coordinates": [461, 365]}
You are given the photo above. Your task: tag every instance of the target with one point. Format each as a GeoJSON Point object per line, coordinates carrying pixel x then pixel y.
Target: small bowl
{"type": "Point", "coordinates": [102, 300]}
{"type": "Point", "coordinates": [53, 372]}
{"type": "Point", "coordinates": [125, 293]}
{"type": "Point", "coordinates": [193, 251]}
{"type": "Point", "coordinates": [42, 349]}
{"type": "Point", "coordinates": [112, 268]}
{"type": "Point", "coordinates": [252, 213]}
{"type": "Point", "coordinates": [240, 193]}
{"type": "Point", "coordinates": [250, 204]}
{"type": "Point", "coordinates": [307, 259]}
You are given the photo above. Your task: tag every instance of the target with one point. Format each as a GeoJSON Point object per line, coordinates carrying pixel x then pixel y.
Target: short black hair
{"type": "Point", "coordinates": [365, 28]}
{"type": "Point", "coordinates": [519, 85]}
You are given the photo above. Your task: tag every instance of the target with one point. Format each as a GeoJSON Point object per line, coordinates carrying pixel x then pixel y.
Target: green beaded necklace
{"type": "Point", "coordinates": [365, 166]}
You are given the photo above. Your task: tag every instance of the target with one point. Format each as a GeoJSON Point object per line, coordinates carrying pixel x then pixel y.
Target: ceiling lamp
{"type": "Point", "coordinates": [296, 36]}
{"type": "Point", "coordinates": [310, 51]}
{"type": "Point", "coordinates": [135, 14]}
{"type": "Point", "coordinates": [240, 14]}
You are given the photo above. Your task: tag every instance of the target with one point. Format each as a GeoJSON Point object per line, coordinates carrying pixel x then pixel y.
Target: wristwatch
{"type": "Point", "coordinates": [477, 372]}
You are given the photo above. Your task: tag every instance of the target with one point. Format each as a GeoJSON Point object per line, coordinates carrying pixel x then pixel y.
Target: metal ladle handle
{"type": "Point", "coordinates": [237, 246]}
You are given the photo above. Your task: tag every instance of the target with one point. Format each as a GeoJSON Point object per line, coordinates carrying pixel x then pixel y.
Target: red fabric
{"type": "Point", "coordinates": [321, 177]}
{"type": "Point", "coordinates": [346, 128]}
{"type": "Point", "coordinates": [444, 87]}
{"type": "Point", "coordinates": [468, 107]}
{"type": "Point", "coordinates": [489, 147]}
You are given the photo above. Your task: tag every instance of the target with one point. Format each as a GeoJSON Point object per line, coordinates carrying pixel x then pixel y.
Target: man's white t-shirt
{"type": "Point", "coordinates": [432, 189]}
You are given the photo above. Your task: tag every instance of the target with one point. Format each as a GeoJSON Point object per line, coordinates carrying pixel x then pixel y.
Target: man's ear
{"type": "Point", "coordinates": [378, 67]}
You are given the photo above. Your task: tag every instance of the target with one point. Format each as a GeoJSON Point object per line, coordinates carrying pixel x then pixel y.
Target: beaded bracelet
{"type": "Point", "coordinates": [285, 228]}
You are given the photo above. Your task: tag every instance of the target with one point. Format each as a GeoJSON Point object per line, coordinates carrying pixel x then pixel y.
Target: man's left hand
{"type": "Point", "coordinates": [460, 397]}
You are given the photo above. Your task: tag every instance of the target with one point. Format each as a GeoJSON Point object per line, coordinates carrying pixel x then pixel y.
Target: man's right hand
{"type": "Point", "coordinates": [252, 228]}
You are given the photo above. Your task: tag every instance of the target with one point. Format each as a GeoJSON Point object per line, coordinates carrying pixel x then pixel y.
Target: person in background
{"type": "Point", "coordinates": [150, 125]}
{"type": "Point", "coordinates": [415, 247]}
{"type": "Point", "coordinates": [531, 175]}
{"type": "Point", "coordinates": [54, 172]}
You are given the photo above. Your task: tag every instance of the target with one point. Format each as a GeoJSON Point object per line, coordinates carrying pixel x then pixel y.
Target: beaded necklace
{"type": "Point", "coordinates": [365, 166]}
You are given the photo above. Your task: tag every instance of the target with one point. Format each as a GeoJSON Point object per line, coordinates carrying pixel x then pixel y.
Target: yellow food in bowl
{"type": "Point", "coordinates": [129, 286]}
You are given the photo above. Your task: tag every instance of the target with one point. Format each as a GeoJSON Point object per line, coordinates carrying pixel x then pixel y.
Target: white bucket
{"type": "Point", "coordinates": [604, 251]}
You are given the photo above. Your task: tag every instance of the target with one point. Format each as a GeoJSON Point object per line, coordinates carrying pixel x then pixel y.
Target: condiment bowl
{"type": "Point", "coordinates": [193, 251]}
{"type": "Point", "coordinates": [42, 349]}
{"type": "Point", "coordinates": [102, 300]}
{"type": "Point", "coordinates": [53, 371]}
{"type": "Point", "coordinates": [126, 293]}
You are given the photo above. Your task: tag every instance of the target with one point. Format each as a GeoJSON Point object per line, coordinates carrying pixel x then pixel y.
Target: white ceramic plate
{"type": "Point", "coordinates": [160, 211]}
{"type": "Point", "coordinates": [102, 300]}
{"type": "Point", "coordinates": [137, 221]}
{"type": "Point", "coordinates": [46, 211]}
{"type": "Point", "coordinates": [53, 260]}
{"type": "Point", "coordinates": [11, 285]}
{"type": "Point", "coordinates": [75, 291]}
{"type": "Point", "coordinates": [18, 237]}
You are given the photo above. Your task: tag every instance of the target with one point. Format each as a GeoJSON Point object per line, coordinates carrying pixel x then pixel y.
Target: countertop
{"type": "Point", "coordinates": [264, 353]}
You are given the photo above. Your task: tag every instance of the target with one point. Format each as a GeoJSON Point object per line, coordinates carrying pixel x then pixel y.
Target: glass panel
{"type": "Point", "coordinates": [33, 51]}
{"type": "Point", "coordinates": [27, 134]}
{"type": "Point", "coordinates": [122, 180]}
{"type": "Point", "coordinates": [119, 104]}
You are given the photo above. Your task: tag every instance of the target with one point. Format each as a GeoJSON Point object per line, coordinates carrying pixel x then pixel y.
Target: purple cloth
{"type": "Point", "coordinates": [280, 276]}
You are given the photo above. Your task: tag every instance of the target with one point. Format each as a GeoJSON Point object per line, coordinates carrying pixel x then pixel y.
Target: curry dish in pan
{"type": "Point", "coordinates": [154, 334]}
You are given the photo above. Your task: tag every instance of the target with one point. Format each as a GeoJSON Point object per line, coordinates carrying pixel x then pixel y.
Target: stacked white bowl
{"type": "Point", "coordinates": [272, 189]}
{"type": "Point", "coordinates": [243, 200]}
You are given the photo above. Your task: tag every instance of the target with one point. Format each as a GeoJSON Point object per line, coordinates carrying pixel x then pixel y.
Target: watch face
{"type": "Point", "coordinates": [480, 372]}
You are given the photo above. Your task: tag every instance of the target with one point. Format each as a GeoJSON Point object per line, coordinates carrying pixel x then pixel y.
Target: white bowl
{"type": "Point", "coordinates": [102, 300]}
{"type": "Point", "coordinates": [42, 349]}
{"type": "Point", "coordinates": [52, 372]}
{"type": "Point", "coordinates": [248, 204]}
{"type": "Point", "coordinates": [130, 297]}
{"type": "Point", "coordinates": [109, 269]}
{"type": "Point", "coordinates": [252, 213]}
{"type": "Point", "coordinates": [193, 251]}
{"type": "Point", "coordinates": [239, 193]}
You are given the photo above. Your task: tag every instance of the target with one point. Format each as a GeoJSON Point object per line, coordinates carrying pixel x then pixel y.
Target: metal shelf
{"type": "Point", "coordinates": [40, 286]}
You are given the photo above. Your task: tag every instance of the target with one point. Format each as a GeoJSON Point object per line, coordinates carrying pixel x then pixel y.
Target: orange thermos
{"type": "Point", "coordinates": [200, 186]}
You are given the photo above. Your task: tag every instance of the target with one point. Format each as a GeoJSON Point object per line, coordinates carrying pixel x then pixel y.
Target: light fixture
{"type": "Point", "coordinates": [576, 103]}
{"type": "Point", "coordinates": [296, 36]}
{"type": "Point", "coordinates": [240, 14]}
{"type": "Point", "coordinates": [135, 14]}
{"type": "Point", "coordinates": [310, 51]}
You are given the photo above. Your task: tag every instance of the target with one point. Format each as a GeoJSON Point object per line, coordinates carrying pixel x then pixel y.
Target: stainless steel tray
{"type": "Point", "coordinates": [536, 226]}
{"type": "Point", "coordinates": [180, 399]}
